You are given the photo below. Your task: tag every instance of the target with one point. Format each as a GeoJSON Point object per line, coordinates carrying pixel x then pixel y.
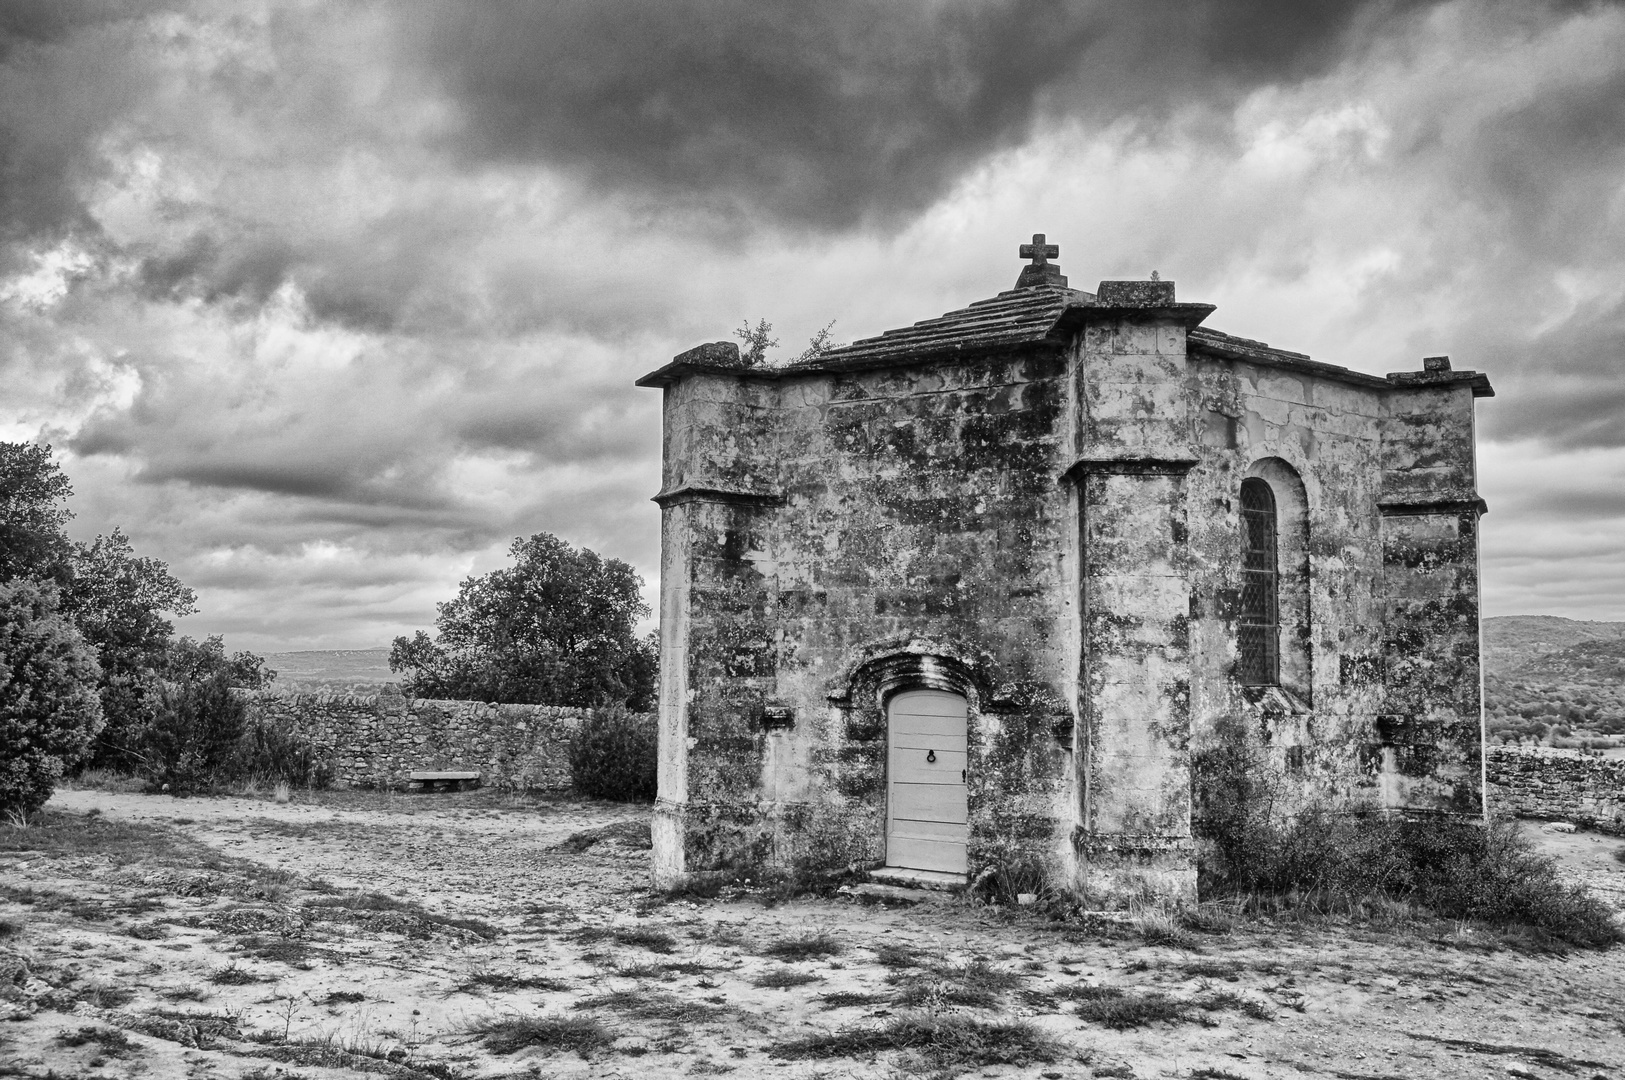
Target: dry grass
{"type": "Point", "coordinates": [585, 1035]}
{"type": "Point", "coordinates": [896, 956]}
{"type": "Point", "coordinates": [851, 999]}
{"type": "Point", "coordinates": [813, 947]}
{"type": "Point", "coordinates": [940, 1042]}
{"type": "Point", "coordinates": [784, 978]}
{"type": "Point", "coordinates": [656, 941]}
{"type": "Point", "coordinates": [232, 975]}
{"type": "Point", "coordinates": [643, 1005]}
{"type": "Point", "coordinates": [482, 979]}
{"type": "Point", "coordinates": [1123, 1010]}
{"type": "Point", "coordinates": [410, 918]}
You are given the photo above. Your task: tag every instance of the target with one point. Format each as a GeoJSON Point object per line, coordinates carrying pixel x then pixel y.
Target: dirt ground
{"type": "Point", "coordinates": [238, 937]}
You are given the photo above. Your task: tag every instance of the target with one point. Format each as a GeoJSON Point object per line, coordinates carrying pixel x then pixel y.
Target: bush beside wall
{"type": "Point", "coordinates": [377, 739]}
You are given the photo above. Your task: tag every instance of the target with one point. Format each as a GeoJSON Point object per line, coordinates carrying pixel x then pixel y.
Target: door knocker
{"type": "Point", "coordinates": [931, 756]}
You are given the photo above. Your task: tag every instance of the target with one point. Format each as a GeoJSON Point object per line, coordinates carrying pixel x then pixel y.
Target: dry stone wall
{"type": "Point", "coordinates": [377, 739]}
{"type": "Point", "coordinates": [1558, 785]}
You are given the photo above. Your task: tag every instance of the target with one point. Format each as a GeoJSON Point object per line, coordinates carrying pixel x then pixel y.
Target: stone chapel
{"type": "Point", "coordinates": [977, 589]}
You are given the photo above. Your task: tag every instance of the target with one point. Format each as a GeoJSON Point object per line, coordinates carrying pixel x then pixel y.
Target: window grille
{"type": "Point", "coordinates": [1259, 626]}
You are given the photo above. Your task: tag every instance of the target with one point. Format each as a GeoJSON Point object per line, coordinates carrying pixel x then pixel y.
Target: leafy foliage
{"type": "Point", "coordinates": [759, 338]}
{"type": "Point", "coordinates": [613, 755]}
{"type": "Point", "coordinates": [48, 705]}
{"type": "Point", "coordinates": [194, 735]}
{"type": "Point", "coordinates": [556, 628]}
{"type": "Point", "coordinates": [117, 599]}
{"type": "Point", "coordinates": [164, 706]}
{"type": "Point", "coordinates": [33, 514]}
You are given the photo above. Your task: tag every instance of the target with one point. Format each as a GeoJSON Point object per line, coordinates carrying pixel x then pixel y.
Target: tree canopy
{"type": "Point", "coordinates": [113, 604]}
{"type": "Point", "coordinates": [559, 627]}
{"type": "Point", "coordinates": [49, 709]}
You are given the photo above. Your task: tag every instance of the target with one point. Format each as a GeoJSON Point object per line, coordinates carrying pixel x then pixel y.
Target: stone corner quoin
{"type": "Point", "coordinates": [1033, 508]}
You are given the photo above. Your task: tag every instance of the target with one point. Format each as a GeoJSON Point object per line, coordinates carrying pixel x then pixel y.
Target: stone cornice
{"type": "Point", "coordinates": [703, 492]}
{"type": "Point", "coordinates": [1472, 504]}
{"type": "Point", "coordinates": [1131, 466]}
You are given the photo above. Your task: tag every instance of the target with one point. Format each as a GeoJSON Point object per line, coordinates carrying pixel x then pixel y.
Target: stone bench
{"type": "Point", "coordinates": [443, 779]}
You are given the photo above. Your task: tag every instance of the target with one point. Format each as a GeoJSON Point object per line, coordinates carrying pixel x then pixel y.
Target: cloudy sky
{"type": "Point", "coordinates": [324, 303]}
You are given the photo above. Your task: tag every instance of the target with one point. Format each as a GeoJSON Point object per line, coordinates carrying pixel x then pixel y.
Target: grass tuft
{"type": "Point", "coordinates": [851, 999]}
{"type": "Point", "coordinates": [502, 980]}
{"type": "Point", "coordinates": [1119, 1010]}
{"type": "Point", "coordinates": [380, 912]}
{"type": "Point", "coordinates": [818, 945]}
{"type": "Point", "coordinates": [784, 978]}
{"type": "Point", "coordinates": [232, 975]}
{"type": "Point", "coordinates": [104, 996]}
{"type": "Point", "coordinates": [942, 1042]}
{"type": "Point", "coordinates": [642, 1005]}
{"type": "Point", "coordinates": [343, 997]}
{"type": "Point", "coordinates": [656, 941]}
{"type": "Point", "coordinates": [896, 956]}
{"type": "Point", "coordinates": [584, 1035]}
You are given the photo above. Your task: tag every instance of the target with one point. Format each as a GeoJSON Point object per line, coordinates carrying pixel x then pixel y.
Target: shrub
{"type": "Point", "coordinates": [613, 754]}
{"type": "Point", "coordinates": [195, 735]}
{"type": "Point", "coordinates": [269, 753]}
{"type": "Point", "coordinates": [49, 708]}
{"type": "Point", "coordinates": [1455, 868]}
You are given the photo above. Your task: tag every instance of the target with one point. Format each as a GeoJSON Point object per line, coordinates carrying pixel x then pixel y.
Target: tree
{"type": "Point", "coordinates": [49, 709]}
{"type": "Point", "coordinates": [33, 513]}
{"type": "Point", "coordinates": [115, 598]}
{"type": "Point", "coordinates": [557, 628]}
{"type": "Point", "coordinates": [192, 661]}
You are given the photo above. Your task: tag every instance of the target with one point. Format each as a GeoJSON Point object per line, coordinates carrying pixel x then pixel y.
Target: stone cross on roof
{"type": "Point", "coordinates": [1040, 271]}
{"type": "Point", "coordinates": [1038, 251]}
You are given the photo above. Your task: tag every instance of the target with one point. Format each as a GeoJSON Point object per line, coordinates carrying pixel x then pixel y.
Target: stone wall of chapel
{"type": "Point", "coordinates": [1330, 434]}
{"type": "Point", "coordinates": [913, 510]}
{"type": "Point", "coordinates": [815, 523]}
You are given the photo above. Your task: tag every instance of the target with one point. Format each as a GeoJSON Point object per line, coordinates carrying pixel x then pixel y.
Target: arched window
{"type": "Point", "coordinates": [1259, 663]}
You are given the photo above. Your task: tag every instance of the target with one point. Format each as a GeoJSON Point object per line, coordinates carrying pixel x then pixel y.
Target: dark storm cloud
{"type": "Point", "coordinates": [55, 104]}
{"type": "Point", "coordinates": [1552, 165]}
{"type": "Point", "coordinates": [204, 266]}
{"type": "Point", "coordinates": [831, 114]}
{"type": "Point", "coordinates": [1564, 385]}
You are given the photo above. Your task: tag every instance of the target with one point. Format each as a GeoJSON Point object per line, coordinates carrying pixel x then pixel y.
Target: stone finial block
{"type": "Point", "coordinates": [1135, 293]}
{"type": "Point", "coordinates": [1435, 363]}
{"type": "Point", "coordinates": [713, 354]}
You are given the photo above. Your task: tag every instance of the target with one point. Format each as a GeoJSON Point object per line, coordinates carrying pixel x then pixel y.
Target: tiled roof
{"type": "Point", "coordinates": [1015, 317]}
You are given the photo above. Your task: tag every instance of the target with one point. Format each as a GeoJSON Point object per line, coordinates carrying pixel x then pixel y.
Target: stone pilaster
{"type": "Point", "coordinates": [1133, 439]}
{"type": "Point", "coordinates": [1428, 744]}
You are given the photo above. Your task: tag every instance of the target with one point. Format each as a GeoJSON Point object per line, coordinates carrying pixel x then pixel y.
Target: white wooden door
{"type": "Point", "coordinates": [925, 768]}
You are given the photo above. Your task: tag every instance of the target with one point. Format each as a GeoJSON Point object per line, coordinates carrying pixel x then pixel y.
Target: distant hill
{"type": "Point", "coordinates": [1545, 677]}
{"type": "Point", "coordinates": [1555, 680]}
{"type": "Point", "coordinates": [332, 667]}
{"type": "Point", "coordinates": [1511, 641]}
